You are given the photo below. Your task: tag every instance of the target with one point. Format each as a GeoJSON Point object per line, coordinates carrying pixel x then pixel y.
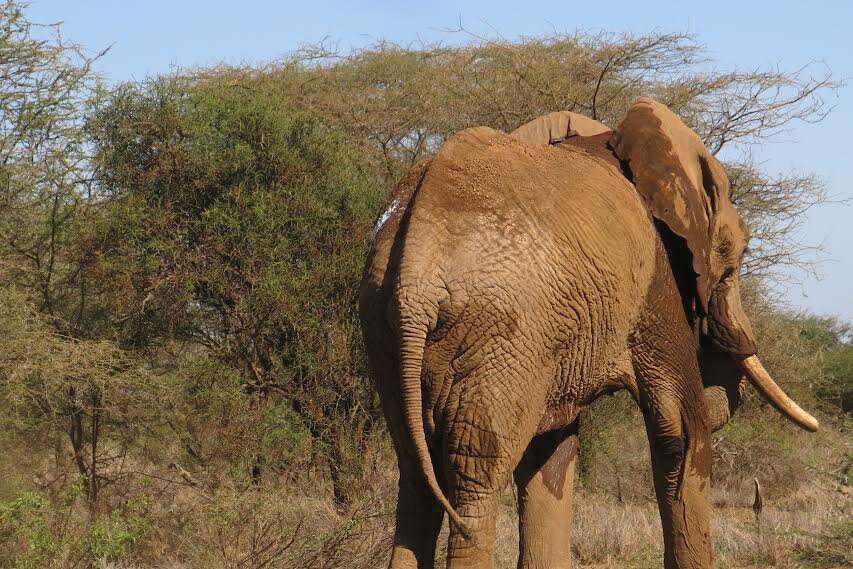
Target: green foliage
{"type": "Point", "coordinates": [832, 343]}
{"type": "Point", "coordinates": [230, 211]}
{"type": "Point", "coordinates": [220, 429]}
{"type": "Point", "coordinates": [23, 525]}
{"type": "Point", "coordinates": [238, 224]}
{"type": "Point", "coordinates": [53, 386]}
{"type": "Point", "coordinates": [113, 536]}
{"type": "Point", "coordinates": [36, 533]}
{"type": "Point", "coordinates": [46, 84]}
{"type": "Point", "coordinates": [613, 456]}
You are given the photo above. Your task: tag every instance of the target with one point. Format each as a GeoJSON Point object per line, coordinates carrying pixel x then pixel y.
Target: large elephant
{"type": "Point", "coordinates": [515, 278]}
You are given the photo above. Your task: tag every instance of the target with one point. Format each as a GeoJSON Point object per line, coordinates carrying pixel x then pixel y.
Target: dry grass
{"type": "Point", "coordinates": [222, 521]}
{"type": "Point", "coordinates": [296, 526]}
{"type": "Point", "coordinates": [801, 530]}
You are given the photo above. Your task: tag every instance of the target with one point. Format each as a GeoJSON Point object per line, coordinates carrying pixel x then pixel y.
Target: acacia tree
{"type": "Point", "coordinates": [54, 385]}
{"type": "Point", "coordinates": [45, 83]}
{"type": "Point", "coordinates": [402, 102]}
{"type": "Point", "coordinates": [86, 396]}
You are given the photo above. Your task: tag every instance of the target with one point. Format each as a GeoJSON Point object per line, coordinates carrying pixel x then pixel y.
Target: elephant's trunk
{"type": "Point", "coordinates": [724, 383]}
{"type": "Point", "coordinates": [762, 381]}
{"type": "Point", "coordinates": [722, 402]}
{"type": "Point", "coordinates": [730, 332]}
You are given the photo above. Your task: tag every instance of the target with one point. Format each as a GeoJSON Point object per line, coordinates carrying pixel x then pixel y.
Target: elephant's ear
{"type": "Point", "coordinates": [557, 127]}
{"type": "Point", "coordinates": [682, 183]}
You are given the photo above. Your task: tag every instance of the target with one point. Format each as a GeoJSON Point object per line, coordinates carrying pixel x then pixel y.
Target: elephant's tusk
{"type": "Point", "coordinates": [762, 381]}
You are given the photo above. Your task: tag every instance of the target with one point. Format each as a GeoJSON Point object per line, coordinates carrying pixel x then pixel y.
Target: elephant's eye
{"type": "Point", "coordinates": [723, 248]}
{"type": "Point", "coordinates": [727, 274]}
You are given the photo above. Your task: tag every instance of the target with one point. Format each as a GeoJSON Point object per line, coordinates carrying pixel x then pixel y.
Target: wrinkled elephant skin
{"type": "Point", "coordinates": [512, 280]}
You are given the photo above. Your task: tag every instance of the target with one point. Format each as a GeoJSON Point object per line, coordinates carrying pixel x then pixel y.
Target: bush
{"type": "Point", "coordinates": [36, 533]}
{"type": "Point", "coordinates": [613, 457]}
{"type": "Point", "coordinates": [86, 398]}
{"type": "Point", "coordinates": [832, 548]}
{"type": "Point", "coordinates": [237, 225]}
{"type": "Point", "coordinates": [832, 343]}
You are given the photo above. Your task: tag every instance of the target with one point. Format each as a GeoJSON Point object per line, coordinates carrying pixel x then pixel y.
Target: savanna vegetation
{"type": "Point", "coordinates": [182, 381]}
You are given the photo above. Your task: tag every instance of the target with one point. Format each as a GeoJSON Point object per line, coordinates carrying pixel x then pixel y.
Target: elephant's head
{"type": "Point", "coordinates": [687, 192]}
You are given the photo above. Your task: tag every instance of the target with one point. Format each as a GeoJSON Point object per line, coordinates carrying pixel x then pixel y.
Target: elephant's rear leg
{"type": "Point", "coordinates": [545, 481]}
{"type": "Point", "coordinates": [419, 517]}
{"type": "Point", "coordinates": [476, 476]}
{"type": "Point", "coordinates": [484, 442]}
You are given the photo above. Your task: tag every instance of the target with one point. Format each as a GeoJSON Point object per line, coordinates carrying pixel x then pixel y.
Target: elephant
{"type": "Point", "coordinates": [513, 279]}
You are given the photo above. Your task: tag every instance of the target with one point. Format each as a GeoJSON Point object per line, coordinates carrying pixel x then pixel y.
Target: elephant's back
{"type": "Point", "coordinates": [487, 195]}
{"type": "Point", "coordinates": [549, 247]}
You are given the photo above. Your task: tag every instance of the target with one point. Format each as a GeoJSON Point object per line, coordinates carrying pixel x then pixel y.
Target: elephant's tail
{"type": "Point", "coordinates": [412, 343]}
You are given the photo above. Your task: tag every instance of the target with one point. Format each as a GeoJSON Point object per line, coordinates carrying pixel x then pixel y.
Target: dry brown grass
{"type": "Point", "coordinates": [296, 526]}
{"type": "Point", "coordinates": [793, 533]}
{"type": "Point", "coordinates": [222, 521]}
{"type": "Point", "coordinates": [800, 530]}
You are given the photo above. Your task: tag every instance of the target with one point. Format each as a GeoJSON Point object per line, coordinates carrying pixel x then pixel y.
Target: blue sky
{"type": "Point", "coordinates": [152, 37]}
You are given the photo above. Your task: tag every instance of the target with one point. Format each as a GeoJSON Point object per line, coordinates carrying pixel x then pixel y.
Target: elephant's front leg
{"type": "Point", "coordinates": [677, 427]}
{"type": "Point", "coordinates": [545, 481]}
